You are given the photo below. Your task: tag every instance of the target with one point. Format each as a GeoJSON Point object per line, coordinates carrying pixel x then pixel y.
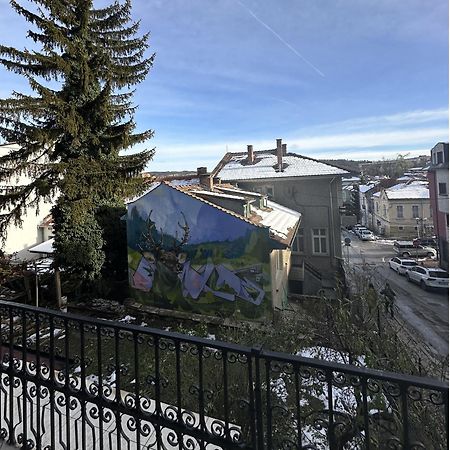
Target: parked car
{"type": "Point", "coordinates": [401, 265]}
{"type": "Point", "coordinates": [428, 242]}
{"type": "Point", "coordinates": [407, 249]}
{"type": "Point", "coordinates": [428, 277]}
{"type": "Point", "coordinates": [356, 228]}
{"type": "Point", "coordinates": [366, 235]}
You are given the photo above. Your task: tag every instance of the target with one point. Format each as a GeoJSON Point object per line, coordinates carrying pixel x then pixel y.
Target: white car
{"type": "Point", "coordinates": [366, 235]}
{"type": "Point", "coordinates": [359, 229]}
{"type": "Point", "coordinates": [428, 277]}
{"type": "Point", "coordinates": [401, 265]}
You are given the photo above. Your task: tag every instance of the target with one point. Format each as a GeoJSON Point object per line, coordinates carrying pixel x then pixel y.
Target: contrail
{"type": "Point", "coordinates": [289, 46]}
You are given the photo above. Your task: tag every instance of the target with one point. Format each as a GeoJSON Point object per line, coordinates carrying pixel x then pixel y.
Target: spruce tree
{"type": "Point", "coordinates": [73, 129]}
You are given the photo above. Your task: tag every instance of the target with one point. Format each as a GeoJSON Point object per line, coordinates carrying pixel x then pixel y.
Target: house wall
{"type": "Point", "coordinates": [20, 238]}
{"type": "Point", "coordinates": [318, 199]}
{"type": "Point", "coordinates": [224, 267]}
{"type": "Point", "coordinates": [439, 203]}
{"type": "Point", "coordinates": [390, 225]}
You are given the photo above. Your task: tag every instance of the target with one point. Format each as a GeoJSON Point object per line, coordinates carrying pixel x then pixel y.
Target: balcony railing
{"type": "Point", "coordinates": [72, 382]}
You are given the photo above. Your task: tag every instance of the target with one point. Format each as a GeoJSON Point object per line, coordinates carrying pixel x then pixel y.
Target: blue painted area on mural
{"type": "Point", "coordinates": [186, 254]}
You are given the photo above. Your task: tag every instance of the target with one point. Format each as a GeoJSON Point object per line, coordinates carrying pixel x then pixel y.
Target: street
{"type": "Point", "coordinates": [425, 312]}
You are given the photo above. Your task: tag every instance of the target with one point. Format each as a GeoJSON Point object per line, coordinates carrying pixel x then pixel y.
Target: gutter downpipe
{"type": "Point", "coordinates": [332, 240]}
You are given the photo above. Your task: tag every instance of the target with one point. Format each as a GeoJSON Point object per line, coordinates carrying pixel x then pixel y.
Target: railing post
{"type": "Point", "coordinates": [256, 355]}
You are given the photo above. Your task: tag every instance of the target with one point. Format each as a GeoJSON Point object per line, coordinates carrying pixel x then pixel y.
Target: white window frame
{"type": "Point", "coordinates": [322, 239]}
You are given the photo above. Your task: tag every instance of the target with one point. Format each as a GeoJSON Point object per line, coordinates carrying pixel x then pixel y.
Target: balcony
{"type": "Point", "coordinates": [68, 381]}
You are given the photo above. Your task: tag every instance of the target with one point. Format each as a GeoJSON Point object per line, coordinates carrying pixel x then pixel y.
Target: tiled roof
{"type": "Point", "coordinates": [234, 167]}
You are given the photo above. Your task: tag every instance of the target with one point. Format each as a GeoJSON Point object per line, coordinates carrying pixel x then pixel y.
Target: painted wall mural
{"type": "Point", "coordinates": [185, 254]}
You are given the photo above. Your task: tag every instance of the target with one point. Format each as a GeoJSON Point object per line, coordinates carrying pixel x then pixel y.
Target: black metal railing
{"type": "Point", "coordinates": [72, 382]}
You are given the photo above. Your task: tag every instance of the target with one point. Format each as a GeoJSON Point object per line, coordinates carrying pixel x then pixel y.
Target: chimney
{"type": "Point", "coordinates": [251, 155]}
{"type": "Point", "coordinates": [205, 178]}
{"type": "Point", "coordinates": [284, 148]}
{"type": "Point", "coordinates": [279, 155]}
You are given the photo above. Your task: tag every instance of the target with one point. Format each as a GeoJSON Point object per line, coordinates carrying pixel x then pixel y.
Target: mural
{"type": "Point", "coordinates": [186, 254]}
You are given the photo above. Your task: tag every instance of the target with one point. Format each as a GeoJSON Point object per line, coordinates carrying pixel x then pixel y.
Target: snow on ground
{"type": "Point", "coordinates": [127, 319]}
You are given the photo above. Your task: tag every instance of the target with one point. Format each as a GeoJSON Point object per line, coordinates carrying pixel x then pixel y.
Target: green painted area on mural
{"type": "Point", "coordinates": [134, 258]}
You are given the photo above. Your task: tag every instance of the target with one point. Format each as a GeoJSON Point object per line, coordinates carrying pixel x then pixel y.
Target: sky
{"type": "Point", "coordinates": [359, 79]}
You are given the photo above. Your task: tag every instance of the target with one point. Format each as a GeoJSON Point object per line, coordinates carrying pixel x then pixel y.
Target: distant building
{"type": "Point", "coordinates": [36, 226]}
{"type": "Point", "coordinates": [364, 203]}
{"type": "Point", "coordinates": [438, 178]}
{"type": "Point", "coordinates": [308, 186]}
{"type": "Point", "coordinates": [403, 210]}
{"type": "Point", "coordinates": [210, 249]}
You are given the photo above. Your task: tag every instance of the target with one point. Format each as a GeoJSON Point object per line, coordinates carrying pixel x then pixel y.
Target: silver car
{"type": "Point", "coordinates": [407, 250]}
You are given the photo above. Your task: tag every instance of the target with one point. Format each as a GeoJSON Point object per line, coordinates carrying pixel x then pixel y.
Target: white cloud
{"type": "Point", "coordinates": [361, 138]}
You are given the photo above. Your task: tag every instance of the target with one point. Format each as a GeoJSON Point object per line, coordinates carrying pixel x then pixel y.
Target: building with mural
{"type": "Point", "coordinates": [209, 249]}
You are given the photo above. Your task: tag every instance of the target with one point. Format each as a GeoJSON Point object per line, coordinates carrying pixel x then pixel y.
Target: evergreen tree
{"type": "Point", "coordinates": [71, 136]}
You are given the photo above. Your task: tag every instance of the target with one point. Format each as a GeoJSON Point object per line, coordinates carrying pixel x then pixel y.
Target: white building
{"type": "Point", "coordinates": [36, 226]}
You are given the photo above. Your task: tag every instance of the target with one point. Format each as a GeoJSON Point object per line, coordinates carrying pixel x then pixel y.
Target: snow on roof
{"type": "Point", "coordinates": [241, 191]}
{"type": "Point", "coordinates": [184, 182]}
{"type": "Point", "coordinates": [414, 190]}
{"type": "Point", "coordinates": [220, 195]}
{"type": "Point", "coordinates": [282, 221]}
{"type": "Point", "coordinates": [351, 180]}
{"type": "Point", "coordinates": [365, 187]}
{"type": "Point", "coordinates": [44, 247]}
{"type": "Point", "coordinates": [235, 168]}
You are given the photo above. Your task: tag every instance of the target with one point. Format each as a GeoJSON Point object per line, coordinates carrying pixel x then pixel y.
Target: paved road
{"type": "Point", "coordinates": [426, 312]}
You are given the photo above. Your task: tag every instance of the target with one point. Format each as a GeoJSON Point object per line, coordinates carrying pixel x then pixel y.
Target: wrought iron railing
{"type": "Point", "coordinates": [71, 382]}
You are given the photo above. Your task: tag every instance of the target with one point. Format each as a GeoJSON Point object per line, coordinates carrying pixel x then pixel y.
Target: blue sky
{"type": "Point", "coordinates": [356, 79]}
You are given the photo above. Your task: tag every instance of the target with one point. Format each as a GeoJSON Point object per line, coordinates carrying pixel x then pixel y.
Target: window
{"type": "Point", "coordinates": [320, 238]}
{"type": "Point", "coordinates": [446, 220]}
{"type": "Point", "coordinates": [442, 188]}
{"type": "Point", "coordinates": [415, 211]}
{"type": "Point", "coordinates": [439, 157]}
{"type": "Point", "coordinates": [269, 191]}
{"type": "Point", "coordinates": [299, 242]}
{"type": "Point", "coordinates": [400, 228]}
{"type": "Point", "coordinates": [376, 204]}
{"type": "Point", "coordinates": [399, 212]}
{"type": "Point", "coordinates": [384, 211]}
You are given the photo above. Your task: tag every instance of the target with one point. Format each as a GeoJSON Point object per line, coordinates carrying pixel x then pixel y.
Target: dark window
{"type": "Point", "coordinates": [439, 158]}
{"type": "Point", "coordinates": [299, 242]}
{"type": "Point", "coordinates": [442, 188]}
